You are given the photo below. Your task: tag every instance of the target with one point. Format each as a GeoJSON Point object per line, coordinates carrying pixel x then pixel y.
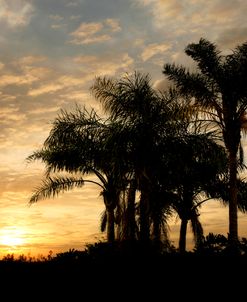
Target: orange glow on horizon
{"type": "Point", "coordinates": [12, 238]}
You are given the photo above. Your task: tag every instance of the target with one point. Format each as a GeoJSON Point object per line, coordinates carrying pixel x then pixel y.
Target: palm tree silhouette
{"type": "Point", "coordinates": [200, 163]}
{"type": "Point", "coordinates": [220, 89]}
{"type": "Point", "coordinates": [78, 144]}
{"type": "Point", "coordinates": [149, 117]}
{"type": "Point", "coordinates": [146, 145]}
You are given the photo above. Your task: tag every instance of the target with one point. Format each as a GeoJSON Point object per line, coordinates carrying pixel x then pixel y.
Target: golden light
{"type": "Point", "coordinates": [11, 240]}
{"type": "Point", "coordinates": [11, 237]}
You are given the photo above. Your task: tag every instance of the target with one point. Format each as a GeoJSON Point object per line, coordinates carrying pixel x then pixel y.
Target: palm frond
{"type": "Point", "coordinates": [52, 186]}
{"type": "Point", "coordinates": [122, 97]}
{"type": "Point", "coordinates": [37, 155]}
{"type": "Point", "coordinates": [190, 84]}
{"type": "Point", "coordinates": [105, 90]}
{"type": "Point", "coordinates": [206, 54]}
{"type": "Point", "coordinates": [241, 164]}
{"type": "Point", "coordinates": [71, 127]}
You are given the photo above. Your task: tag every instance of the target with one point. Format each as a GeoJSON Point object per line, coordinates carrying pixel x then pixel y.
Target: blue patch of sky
{"type": "Point", "coordinates": [39, 38]}
{"type": "Point", "coordinates": [134, 21]}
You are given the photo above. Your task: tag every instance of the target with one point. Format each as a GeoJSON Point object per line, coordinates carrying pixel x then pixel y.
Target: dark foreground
{"type": "Point", "coordinates": [108, 277]}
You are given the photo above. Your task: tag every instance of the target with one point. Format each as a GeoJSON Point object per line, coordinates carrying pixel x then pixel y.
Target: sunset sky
{"type": "Point", "coordinates": [50, 53]}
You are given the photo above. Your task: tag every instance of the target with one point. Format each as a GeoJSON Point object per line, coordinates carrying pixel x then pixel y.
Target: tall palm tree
{"type": "Point", "coordinates": [219, 88]}
{"type": "Point", "coordinates": [149, 118]}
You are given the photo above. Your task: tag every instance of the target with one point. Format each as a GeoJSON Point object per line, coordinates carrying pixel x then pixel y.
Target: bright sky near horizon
{"type": "Point", "coordinates": [50, 53]}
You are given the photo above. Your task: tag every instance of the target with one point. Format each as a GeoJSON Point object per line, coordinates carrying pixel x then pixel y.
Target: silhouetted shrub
{"type": "Point", "coordinates": [212, 244]}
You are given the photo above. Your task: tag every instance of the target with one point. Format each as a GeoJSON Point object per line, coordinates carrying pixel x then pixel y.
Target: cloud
{"type": "Point", "coordinates": [42, 110]}
{"type": "Point", "coordinates": [95, 32]}
{"type": "Point", "coordinates": [91, 40]}
{"type": "Point", "coordinates": [16, 13]}
{"type": "Point", "coordinates": [31, 66]}
{"type": "Point", "coordinates": [186, 21]}
{"type": "Point", "coordinates": [72, 4]}
{"type": "Point", "coordinates": [7, 97]}
{"type": "Point", "coordinates": [43, 89]}
{"type": "Point", "coordinates": [86, 34]}
{"type": "Point", "coordinates": [68, 81]}
{"type": "Point", "coordinates": [87, 29]}
{"type": "Point", "coordinates": [181, 58]}
{"type": "Point", "coordinates": [232, 37]}
{"type": "Point", "coordinates": [10, 114]}
{"type": "Point", "coordinates": [56, 26]}
{"type": "Point", "coordinates": [75, 17]}
{"type": "Point", "coordinates": [30, 60]}
{"type": "Point", "coordinates": [154, 49]}
{"type": "Point", "coordinates": [85, 68]}
{"type": "Point", "coordinates": [114, 24]}
{"type": "Point", "coordinates": [6, 80]}
{"type": "Point", "coordinates": [162, 85]}
{"type": "Point", "coordinates": [105, 65]}
{"type": "Point", "coordinates": [163, 9]}
{"type": "Point", "coordinates": [23, 71]}
{"type": "Point", "coordinates": [58, 84]}
{"type": "Point", "coordinates": [78, 95]}
{"type": "Point", "coordinates": [56, 17]}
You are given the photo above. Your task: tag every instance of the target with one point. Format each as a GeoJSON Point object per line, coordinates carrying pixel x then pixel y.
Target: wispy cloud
{"type": "Point", "coordinates": [95, 32]}
{"type": "Point", "coordinates": [86, 33]}
{"type": "Point", "coordinates": [91, 39]}
{"type": "Point", "coordinates": [30, 60]}
{"type": "Point", "coordinates": [17, 80]}
{"type": "Point", "coordinates": [113, 24]}
{"type": "Point", "coordinates": [56, 17]}
{"type": "Point", "coordinates": [74, 86]}
{"type": "Point", "coordinates": [105, 65]}
{"type": "Point", "coordinates": [154, 49]}
{"type": "Point", "coordinates": [16, 13]}
{"type": "Point", "coordinates": [168, 8]}
{"type": "Point", "coordinates": [72, 4]}
{"type": "Point", "coordinates": [46, 88]}
{"type": "Point", "coordinates": [232, 36]}
{"type": "Point", "coordinates": [23, 71]}
{"type": "Point", "coordinates": [56, 26]}
{"type": "Point", "coordinates": [193, 19]}
{"type": "Point", "coordinates": [58, 84]}
{"type": "Point", "coordinates": [75, 17]}
{"type": "Point", "coordinates": [11, 113]}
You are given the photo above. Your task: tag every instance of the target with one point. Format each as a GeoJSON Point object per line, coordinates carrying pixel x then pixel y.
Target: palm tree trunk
{"type": "Point", "coordinates": [182, 236]}
{"type": "Point", "coordinates": [233, 203]}
{"type": "Point", "coordinates": [131, 225]}
{"type": "Point", "coordinates": [144, 218]}
{"type": "Point", "coordinates": [110, 225]}
{"type": "Point", "coordinates": [196, 229]}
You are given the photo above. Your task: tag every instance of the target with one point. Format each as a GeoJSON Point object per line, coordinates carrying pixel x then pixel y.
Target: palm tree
{"type": "Point", "coordinates": [120, 151]}
{"type": "Point", "coordinates": [149, 117]}
{"type": "Point", "coordinates": [195, 162]}
{"type": "Point", "coordinates": [79, 144]}
{"type": "Point", "coordinates": [219, 88]}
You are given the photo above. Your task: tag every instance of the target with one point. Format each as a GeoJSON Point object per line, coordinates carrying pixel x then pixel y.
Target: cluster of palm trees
{"type": "Point", "coordinates": [154, 153]}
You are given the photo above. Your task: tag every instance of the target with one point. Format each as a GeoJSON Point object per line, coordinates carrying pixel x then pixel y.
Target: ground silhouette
{"type": "Point", "coordinates": [112, 276]}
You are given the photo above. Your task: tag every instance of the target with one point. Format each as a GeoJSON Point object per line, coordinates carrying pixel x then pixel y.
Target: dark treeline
{"type": "Point", "coordinates": [157, 153]}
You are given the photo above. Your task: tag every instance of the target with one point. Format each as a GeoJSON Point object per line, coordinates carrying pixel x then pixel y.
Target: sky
{"type": "Point", "coordinates": [50, 53]}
